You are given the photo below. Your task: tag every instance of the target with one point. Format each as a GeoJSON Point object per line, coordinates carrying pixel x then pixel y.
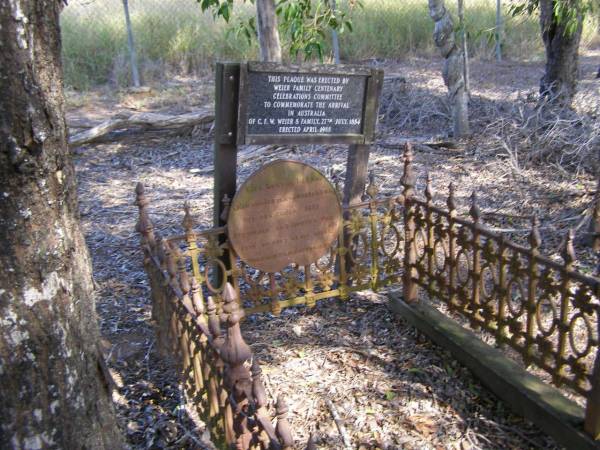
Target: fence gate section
{"type": "Point", "coordinates": [367, 254]}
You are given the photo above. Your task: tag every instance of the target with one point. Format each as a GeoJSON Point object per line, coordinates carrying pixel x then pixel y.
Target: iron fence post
{"type": "Point", "coordinates": [409, 288]}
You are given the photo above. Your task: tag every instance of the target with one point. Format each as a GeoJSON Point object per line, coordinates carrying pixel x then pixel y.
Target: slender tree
{"type": "Point", "coordinates": [52, 387]}
{"type": "Point", "coordinates": [268, 33]}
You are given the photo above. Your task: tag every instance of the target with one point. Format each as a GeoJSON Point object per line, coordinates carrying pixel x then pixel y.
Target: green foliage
{"type": "Point", "coordinates": [176, 38]}
{"type": "Point", "coordinates": [220, 8]}
{"type": "Point", "coordinates": [303, 22]}
{"type": "Point", "coordinates": [565, 12]}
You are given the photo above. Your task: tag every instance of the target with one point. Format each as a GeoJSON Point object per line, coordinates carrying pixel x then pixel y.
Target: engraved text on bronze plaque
{"type": "Point", "coordinates": [286, 212]}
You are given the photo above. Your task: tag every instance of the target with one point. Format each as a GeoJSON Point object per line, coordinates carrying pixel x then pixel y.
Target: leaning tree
{"type": "Point", "coordinates": [52, 387]}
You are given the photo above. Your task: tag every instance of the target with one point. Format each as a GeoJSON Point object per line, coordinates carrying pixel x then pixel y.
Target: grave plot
{"type": "Point", "coordinates": [478, 275]}
{"type": "Point", "coordinates": [501, 432]}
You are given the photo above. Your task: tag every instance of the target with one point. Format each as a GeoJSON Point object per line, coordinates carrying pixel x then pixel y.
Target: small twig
{"type": "Point", "coordinates": [517, 230]}
{"type": "Point", "coordinates": [587, 216]}
{"type": "Point", "coordinates": [510, 216]}
{"type": "Point", "coordinates": [340, 425]}
{"type": "Point", "coordinates": [147, 357]}
{"type": "Point", "coordinates": [170, 155]}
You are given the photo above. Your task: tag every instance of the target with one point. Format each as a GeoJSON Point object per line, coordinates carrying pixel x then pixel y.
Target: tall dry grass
{"type": "Point", "coordinates": [175, 37]}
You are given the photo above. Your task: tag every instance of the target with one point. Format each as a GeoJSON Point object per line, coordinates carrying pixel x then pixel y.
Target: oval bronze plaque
{"type": "Point", "coordinates": [285, 212]}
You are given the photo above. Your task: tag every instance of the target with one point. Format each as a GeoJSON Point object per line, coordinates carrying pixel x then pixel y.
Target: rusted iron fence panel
{"type": "Point", "coordinates": [370, 260]}
{"type": "Point", "coordinates": [544, 309]}
{"type": "Point", "coordinates": [214, 361]}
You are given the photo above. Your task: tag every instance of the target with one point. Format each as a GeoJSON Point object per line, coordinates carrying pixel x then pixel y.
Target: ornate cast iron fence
{"type": "Point", "coordinates": [227, 395]}
{"type": "Point", "coordinates": [366, 263]}
{"type": "Point", "coordinates": [545, 310]}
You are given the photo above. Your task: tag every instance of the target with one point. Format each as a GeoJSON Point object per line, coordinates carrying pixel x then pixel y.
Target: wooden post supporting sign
{"type": "Point", "coordinates": [269, 103]}
{"type": "Point", "coordinates": [225, 150]}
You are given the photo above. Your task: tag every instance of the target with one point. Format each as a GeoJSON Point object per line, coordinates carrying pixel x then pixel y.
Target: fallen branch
{"type": "Point", "coordinates": [82, 123]}
{"type": "Point", "coordinates": [424, 145]}
{"type": "Point", "coordinates": [340, 425]}
{"type": "Point", "coordinates": [145, 121]}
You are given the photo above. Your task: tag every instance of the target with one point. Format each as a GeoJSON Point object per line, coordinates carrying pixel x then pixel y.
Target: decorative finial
{"type": "Point", "coordinates": [258, 388]}
{"type": "Point", "coordinates": [372, 189]}
{"type": "Point", "coordinates": [474, 211]}
{"type": "Point", "coordinates": [408, 178]}
{"type": "Point", "coordinates": [535, 239]}
{"type": "Point", "coordinates": [144, 225]}
{"type": "Point", "coordinates": [234, 351]}
{"type": "Point", "coordinates": [214, 325]}
{"type": "Point", "coordinates": [197, 298]}
{"type": "Point", "coordinates": [140, 192]}
{"type": "Point", "coordinates": [408, 152]}
{"type": "Point", "coordinates": [451, 202]}
{"type": "Point", "coordinates": [568, 253]}
{"type": "Point", "coordinates": [184, 280]}
{"type": "Point", "coordinates": [428, 193]}
{"type": "Point", "coordinates": [188, 220]}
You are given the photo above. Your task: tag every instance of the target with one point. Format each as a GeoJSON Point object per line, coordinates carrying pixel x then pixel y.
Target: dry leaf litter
{"type": "Point", "coordinates": [392, 387]}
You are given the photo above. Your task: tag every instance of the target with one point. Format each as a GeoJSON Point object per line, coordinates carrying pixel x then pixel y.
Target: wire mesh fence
{"type": "Point", "coordinates": [175, 36]}
{"type": "Point", "coordinates": [172, 34]}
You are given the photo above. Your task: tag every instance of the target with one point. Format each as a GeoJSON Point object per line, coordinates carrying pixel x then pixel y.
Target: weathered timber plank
{"type": "Point", "coordinates": [225, 150]}
{"type": "Point", "coordinates": [527, 395]}
{"type": "Point", "coordinates": [356, 173]}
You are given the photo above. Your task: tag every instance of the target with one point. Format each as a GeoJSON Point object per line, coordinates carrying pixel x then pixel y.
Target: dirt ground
{"type": "Point", "coordinates": [393, 388]}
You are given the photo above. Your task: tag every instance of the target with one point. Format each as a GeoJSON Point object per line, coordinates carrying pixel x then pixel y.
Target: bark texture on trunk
{"type": "Point", "coordinates": [454, 67]}
{"type": "Point", "coordinates": [559, 82]}
{"type": "Point", "coordinates": [51, 383]}
{"type": "Point", "coordinates": [268, 33]}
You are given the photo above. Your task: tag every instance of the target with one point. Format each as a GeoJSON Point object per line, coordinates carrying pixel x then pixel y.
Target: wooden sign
{"type": "Point", "coordinates": [286, 212]}
{"type": "Point", "coordinates": [315, 104]}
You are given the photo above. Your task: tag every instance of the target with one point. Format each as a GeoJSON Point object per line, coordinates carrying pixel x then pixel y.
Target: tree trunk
{"type": "Point", "coordinates": [464, 45]}
{"type": "Point", "coordinates": [268, 33]}
{"type": "Point", "coordinates": [454, 70]}
{"type": "Point", "coordinates": [51, 383]}
{"type": "Point", "coordinates": [498, 34]}
{"type": "Point", "coordinates": [560, 78]}
{"type": "Point", "coordinates": [335, 40]}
